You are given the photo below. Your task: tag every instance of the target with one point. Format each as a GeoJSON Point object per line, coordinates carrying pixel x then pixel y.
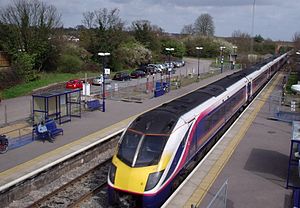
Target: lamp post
{"type": "Point", "coordinates": [252, 27]}
{"type": "Point", "coordinates": [234, 56]}
{"type": "Point", "coordinates": [198, 54]}
{"type": "Point", "coordinates": [103, 55]}
{"type": "Point", "coordinates": [222, 57]}
{"type": "Point", "coordinates": [169, 50]}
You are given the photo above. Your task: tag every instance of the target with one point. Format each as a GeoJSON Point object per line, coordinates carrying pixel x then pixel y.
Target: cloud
{"type": "Point", "coordinates": [276, 19]}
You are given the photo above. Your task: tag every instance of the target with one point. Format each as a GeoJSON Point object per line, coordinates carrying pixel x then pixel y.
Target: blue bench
{"type": "Point", "coordinates": [296, 197]}
{"type": "Point", "coordinates": [93, 105]}
{"type": "Point", "coordinates": [158, 93]}
{"type": "Point", "coordinates": [52, 129]}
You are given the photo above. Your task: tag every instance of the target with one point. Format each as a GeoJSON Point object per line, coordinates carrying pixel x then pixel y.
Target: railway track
{"type": "Point", "coordinates": [79, 190]}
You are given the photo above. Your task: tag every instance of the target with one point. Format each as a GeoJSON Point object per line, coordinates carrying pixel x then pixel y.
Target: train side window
{"type": "Point", "coordinates": [186, 136]}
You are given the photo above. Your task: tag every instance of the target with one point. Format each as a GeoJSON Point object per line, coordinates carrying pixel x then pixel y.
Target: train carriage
{"type": "Point", "coordinates": [160, 147]}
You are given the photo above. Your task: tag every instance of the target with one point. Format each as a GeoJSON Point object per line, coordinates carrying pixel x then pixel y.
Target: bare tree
{"type": "Point", "coordinates": [204, 25]}
{"type": "Point", "coordinates": [296, 40]}
{"type": "Point", "coordinates": [240, 34]}
{"type": "Point", "coordinates": [241, 39]}
{"type": "Point", "coordinates": [188, 29]}
{"type": "Point", "coordinates": [106, 20]}
{"type": "Point", "coordinates": [89, 19]}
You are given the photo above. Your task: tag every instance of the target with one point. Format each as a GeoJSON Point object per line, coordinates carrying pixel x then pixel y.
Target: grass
{"type": "Point", "coordinates": [292, 79]}
{"type": "Point", "coordinates": [45, 80]}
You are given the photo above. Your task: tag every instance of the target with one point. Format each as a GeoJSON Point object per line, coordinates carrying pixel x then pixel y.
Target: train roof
{"type": "Point", "coordinates": [163, 119]}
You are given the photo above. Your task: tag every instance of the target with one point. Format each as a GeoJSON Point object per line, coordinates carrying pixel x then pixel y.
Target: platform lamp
{"type": "Point", "coordinates": [222, 57]}
{"type": "Point", "coordinates": [169, 51]}
{"type": "Point", "coordinates": [234, 56]}
{"type": "Point", "coordinates": [198, 55]}
{"type": "Point", "coordinates": [103, 55]}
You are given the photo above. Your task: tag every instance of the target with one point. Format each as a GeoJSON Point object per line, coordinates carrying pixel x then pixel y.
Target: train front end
{"type": "Point", "coordinates": [140, 162]}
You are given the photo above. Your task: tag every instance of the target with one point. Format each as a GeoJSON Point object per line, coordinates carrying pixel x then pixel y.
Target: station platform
{"type": "Point", "coordinates": [24, 161]}
{"type": "Point", "coordinates": [252, 157]}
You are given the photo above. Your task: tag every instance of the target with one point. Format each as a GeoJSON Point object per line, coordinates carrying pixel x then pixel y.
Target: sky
{"type": "Point", "coordinates": [275, 19]}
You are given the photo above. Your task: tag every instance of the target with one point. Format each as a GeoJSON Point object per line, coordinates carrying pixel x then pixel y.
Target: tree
{"type": "Point", "coordinates": [240, 34]}
{"type": "Point", "coordinates": [179, 47]}
{"type": "Point", "coordinates": [104, 32]}
{"type": "Point", "coordinates": [188, 29]}
{"type": "Point", "coordinates": [296, 40]}
{"type": "Point", "coordinates": [133, 54]}
{"type": "Point", "coordinates": [258, 39]}
{"type": "Point", "coordinates": [26, 26]}
{"type": "Point", "coordinates": [204, 25]}
{"type": "Point", "coordinates": [146, 34]}
{"type": "Point", "coordinates": [242, 40]}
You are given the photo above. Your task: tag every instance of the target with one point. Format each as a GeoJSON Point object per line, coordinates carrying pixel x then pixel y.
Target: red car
{"type": "Point", "coordinates": [74, 84]}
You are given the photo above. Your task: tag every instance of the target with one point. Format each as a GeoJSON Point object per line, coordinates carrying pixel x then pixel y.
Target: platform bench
{"type": "Point", "coordinates": [51, 127]}
{"type": "Point", "coordinates": [158, 93]}
{"type": "Point", "coordinates": [296, 198]}
{"type": "Point", "coordinates": [93, 105]}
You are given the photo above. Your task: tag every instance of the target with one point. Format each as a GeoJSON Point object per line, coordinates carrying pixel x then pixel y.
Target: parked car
{"type": "Point", "coordinates": [74, 84]}
{"type": "Point", "coordinates": [121, 76]}
{"type": "Point", "coordinates": [169, 65]}
{"type": "Point", "coordinates": [157, 67]}
{"type": "Point", "coordinates": [148, 69]}
{"type": "Point", "coordinates": [178, 63]}
{"type": "Point", "coordinates": [137, 73]}
{"type": "Point", "coordinates": [99, 80]}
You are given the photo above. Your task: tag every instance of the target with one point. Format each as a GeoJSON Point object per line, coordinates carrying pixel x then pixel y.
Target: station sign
{"type": "Point", "coordinates": [107, 71]}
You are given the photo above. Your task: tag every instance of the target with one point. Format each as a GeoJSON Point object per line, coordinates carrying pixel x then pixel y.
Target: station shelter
{"type": "Point", "coordinates": [293, 176]}
{"type": "Point", "coordinates": [60, 105]}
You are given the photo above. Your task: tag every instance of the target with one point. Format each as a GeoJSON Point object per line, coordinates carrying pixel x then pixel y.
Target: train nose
{"type": "Point", "coordinates": [133, 179]}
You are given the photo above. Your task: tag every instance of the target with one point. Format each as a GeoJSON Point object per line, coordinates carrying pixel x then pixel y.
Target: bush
{"type": "Point", "coordinates": [8, 78]}
{"type": "Point", "coordinates": [23, 65]}
{"type": "Point", "coordinates": [132, 54]}
{"type": "Point", "coordinates": [91, 66]}
{"type": "Point", "coordinates": [70, 63]}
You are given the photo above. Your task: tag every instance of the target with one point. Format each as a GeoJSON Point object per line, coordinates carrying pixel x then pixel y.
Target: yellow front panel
{"type": "Point", "coordinates": [135, 179]}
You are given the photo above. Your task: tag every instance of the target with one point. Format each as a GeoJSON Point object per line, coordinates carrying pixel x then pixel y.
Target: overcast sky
{"type": "Point", "coordinates": [275, 19]}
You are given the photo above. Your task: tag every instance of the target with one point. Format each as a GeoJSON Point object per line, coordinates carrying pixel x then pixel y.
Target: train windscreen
{"type": "Point", "coordinates": [138, 150]}
{"type": "Point", "coordinates": [128, 147]}
{"type": "Point", "coordinates": [150, 150]}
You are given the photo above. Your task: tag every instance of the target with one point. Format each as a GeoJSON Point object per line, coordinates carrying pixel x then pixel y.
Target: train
{"type": "Point", "coordinates": [160, 147]}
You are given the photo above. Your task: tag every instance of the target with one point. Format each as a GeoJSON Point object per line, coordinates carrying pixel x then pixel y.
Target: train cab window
{"type": "Point", "coordinates": [128, 147]}
{"type": "Point", "coordinates": [150, 151]}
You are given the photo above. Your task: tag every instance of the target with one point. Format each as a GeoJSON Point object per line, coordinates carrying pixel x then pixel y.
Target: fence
{"type": "Point", "coordinates": [10, 113]}
{"type": "Point", "coordinates": [284, 107]}
{"type": "Point", "coordinates": [4, 59]}
{"type": "Point", "coordinates": [219, 200]}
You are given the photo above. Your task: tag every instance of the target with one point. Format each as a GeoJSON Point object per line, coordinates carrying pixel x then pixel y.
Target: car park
{"type": "Point", "coordinates": [122, 76]}
{"type": "Point", "coordinates": [99, 80]}
{"type": "Point", "coordinates": [74, 84]}
{"type": "Point", "coordinates": [137, 74]}
{"type": "Point", "coordinates": [157, 67]}
{"type": "Point", "coordinates": [148, 69]}
{"type": "Point", "coordinates": [169, 65]}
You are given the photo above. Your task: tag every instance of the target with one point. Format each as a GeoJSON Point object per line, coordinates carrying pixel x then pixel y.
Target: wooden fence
{"type": "Point", "coordinates": [4, 59]}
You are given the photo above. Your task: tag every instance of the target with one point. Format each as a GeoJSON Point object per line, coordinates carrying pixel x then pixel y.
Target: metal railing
{"type": "Point", "coordinates": [219, 200]}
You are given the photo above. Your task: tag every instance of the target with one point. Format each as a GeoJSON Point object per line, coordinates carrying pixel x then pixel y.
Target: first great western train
{"type": "Point", "coordinates": [160, 147]}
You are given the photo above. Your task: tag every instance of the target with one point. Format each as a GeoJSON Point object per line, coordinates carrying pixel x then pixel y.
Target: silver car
{"type": "Point", "coordinates": [99, 80]}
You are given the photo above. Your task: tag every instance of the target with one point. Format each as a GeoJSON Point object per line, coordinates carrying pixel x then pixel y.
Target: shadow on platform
{"type": "Point", "coordinates": [268, 163]}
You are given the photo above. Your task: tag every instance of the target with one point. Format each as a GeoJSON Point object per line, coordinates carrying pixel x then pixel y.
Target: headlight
{"type": "Point", "coordinates": [112, 173]}
{"type": "Point", "coordinates": [153, 180]}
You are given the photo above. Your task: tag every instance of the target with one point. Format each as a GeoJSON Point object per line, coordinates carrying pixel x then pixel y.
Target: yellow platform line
{"type": "Point", "coordinates": [212, 175]}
